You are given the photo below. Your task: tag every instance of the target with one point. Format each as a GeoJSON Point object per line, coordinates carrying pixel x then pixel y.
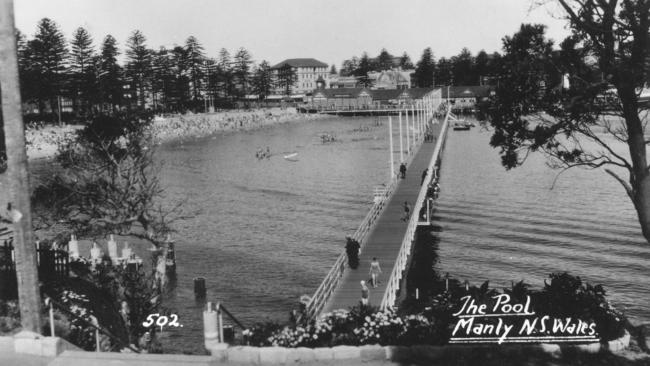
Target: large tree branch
{"type": "Point", "coordinates": [626, 185]}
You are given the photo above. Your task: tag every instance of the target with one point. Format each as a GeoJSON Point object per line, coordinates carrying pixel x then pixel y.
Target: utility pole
{"type": "Point", "coordinates": [16, 178]}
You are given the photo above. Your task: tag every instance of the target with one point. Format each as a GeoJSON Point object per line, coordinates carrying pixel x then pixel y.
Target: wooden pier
{"type": "Point", "coordinates": [385, 239]}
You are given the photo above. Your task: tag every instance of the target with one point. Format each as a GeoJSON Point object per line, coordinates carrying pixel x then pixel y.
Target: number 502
{"type": "Point", "coordinates": [161, 320]}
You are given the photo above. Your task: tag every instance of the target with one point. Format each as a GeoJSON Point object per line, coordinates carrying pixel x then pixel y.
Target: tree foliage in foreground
{"type": "Point", "coordinates": [604, 62]}
{"type": "Point", "coordinates": [108, 182]}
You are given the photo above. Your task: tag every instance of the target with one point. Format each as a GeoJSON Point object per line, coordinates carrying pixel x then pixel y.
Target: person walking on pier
{"type": "Point", "coordinates": [365, 293]}
{"type": "Point", "coordinates": [407, 211]}
{"type": "Point", "coordinates": [402, 170]}
{"type": "Point", "coordinates": [352, 248]}
{"type": "Point", "coordinates": [424, 175]}
{"type": "Point", "coordinates": [375, 270]}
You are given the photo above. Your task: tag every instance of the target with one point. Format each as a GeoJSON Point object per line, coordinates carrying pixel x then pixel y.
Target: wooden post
{"type": "Point", "coordinates": [406, 115]}
{"type": "Point", "coordinates": [51, 319]}
{"type": "Point", "coordinates": [408, 144]}
{"type": "Point", "coordinates": [401, 148]}
{"type": "Point", "coordinates": [220, 322]}
{"type": "Point", "coordinates": [413, 113]}
{"type": "Point", "coordinates": [93, 321]}
{"type": "Point", "coordinates": [58, 100]}
{"type": "Point", "coordinates": [29, 296]}
{"type": "Point", "coordinates": [199, 288]}
{"type": "Point", "coordinates": [390, 148]}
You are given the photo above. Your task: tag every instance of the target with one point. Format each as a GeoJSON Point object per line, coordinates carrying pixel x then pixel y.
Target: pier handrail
{"type": "Point", "coordinates": [220, 307]}
{"type": "Point", "coordinates": [393, 285]}
{"type": "Point", "coordinates": [331, 280]}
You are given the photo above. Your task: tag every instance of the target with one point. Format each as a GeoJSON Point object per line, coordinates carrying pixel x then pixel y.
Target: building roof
{"type": "Point", "coordinates": [469, 91]}
{"type": "Point", "coordinates": [340, 92]}
{"type": "Point", "coordinates": [417, 93]}
{"type": "Point", "coordinates": [300, 62]}
{"type": "Point", "coordinates": [386, 94]}
{"type": "Point", "coordinates": [376, 94]}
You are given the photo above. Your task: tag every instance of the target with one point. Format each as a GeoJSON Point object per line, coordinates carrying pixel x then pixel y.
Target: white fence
{"type": "Point", "coordinates": [390, 295]}
{"type": "Point", "coordinates": [429, 105]}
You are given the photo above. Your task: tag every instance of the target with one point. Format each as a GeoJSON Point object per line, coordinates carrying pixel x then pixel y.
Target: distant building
{"type": "Point", "coordinates": [391, 79]}
{"type": "Point", "coordinates": [337, 82]}
{"type": "Point", "coordinates": [310, 73]}
{"type": "Point", "coordinates": [363, 98]}
{"type": "Point", "coordinates": [466, 97]}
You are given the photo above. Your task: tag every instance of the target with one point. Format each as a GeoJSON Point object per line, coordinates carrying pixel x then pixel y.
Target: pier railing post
{"type": "Point", "coordinates": [401, 147]}
{"type": "Point", "coordinates": [390, 149]}
{"type": "Point", "coordinates": [408, 145]}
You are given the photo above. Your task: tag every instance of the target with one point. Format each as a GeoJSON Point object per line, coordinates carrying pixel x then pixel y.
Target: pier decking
{"type": "Point", "coordinates": [385, 239]}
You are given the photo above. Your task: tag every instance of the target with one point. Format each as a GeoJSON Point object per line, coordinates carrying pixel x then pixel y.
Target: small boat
{"type": "Point", "coordinates": [327, 137]}
{"type": "Point", "coordinates": [291, 156]}
{"type": "Point", "coordinates": [461, 126]}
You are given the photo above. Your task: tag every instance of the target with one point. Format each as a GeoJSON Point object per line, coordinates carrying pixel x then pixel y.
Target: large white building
{"type": "Point", "coordinates": [310, 73]}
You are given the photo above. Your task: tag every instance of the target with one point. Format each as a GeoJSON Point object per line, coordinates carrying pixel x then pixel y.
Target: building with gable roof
{"type": "Point", "coordinates": [311, 74]}
{"type": "Point", "coordinates": [391, 79]}
{"type": "Point", "coordinates": [363, 98]}
{"type": "Point", "coordinates": [466, 97]}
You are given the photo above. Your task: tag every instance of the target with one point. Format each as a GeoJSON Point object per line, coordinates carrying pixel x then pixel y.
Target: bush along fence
{"type": "Point", "coordinates": [564, 299]}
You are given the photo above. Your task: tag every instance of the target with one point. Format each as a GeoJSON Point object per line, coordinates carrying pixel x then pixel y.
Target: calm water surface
{"type": "Point", "coordinates": [264, 232]}
{"type": "Point", "coordinates": [508, 226]}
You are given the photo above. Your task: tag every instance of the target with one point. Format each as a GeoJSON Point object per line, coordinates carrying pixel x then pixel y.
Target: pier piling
{"type": "Point", "coordinates": [199, 288]}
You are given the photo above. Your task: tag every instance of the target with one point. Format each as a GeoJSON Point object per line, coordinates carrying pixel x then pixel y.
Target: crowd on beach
{"type": "Point", "coordinates": [44, 140]}
{"type": "Point", "coordinates": [201, 125]}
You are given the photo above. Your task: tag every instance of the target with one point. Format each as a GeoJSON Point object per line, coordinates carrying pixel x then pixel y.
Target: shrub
{"type": "Point", "coordinates": [9, 316]}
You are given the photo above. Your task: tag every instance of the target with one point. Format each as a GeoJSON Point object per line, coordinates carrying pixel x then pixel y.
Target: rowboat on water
{"type": "Point", "coordinates": [462, 125]}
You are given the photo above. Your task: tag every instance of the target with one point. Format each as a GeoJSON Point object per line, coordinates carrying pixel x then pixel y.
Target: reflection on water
{"type": "Point", "coordinates": [263, 232]}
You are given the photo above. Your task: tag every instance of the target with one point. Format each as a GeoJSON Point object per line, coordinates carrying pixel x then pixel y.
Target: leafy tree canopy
{"type": "Point", "coordinates": [581, 104]}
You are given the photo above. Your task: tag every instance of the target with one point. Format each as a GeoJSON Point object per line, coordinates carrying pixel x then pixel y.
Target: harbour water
{"type": "Point", "coordinates": [506, 226]}
{"type": "Point", "coordinates": [263, 232]}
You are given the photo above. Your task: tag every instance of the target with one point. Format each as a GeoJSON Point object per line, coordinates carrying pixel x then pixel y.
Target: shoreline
{"type": "Point", "coordinates": [196, 126]}
{"type": "Point", "coordinates": [44, 143]}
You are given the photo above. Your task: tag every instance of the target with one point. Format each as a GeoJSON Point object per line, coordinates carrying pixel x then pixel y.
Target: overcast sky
{"type": "Point", "coordinates": [273, 30]}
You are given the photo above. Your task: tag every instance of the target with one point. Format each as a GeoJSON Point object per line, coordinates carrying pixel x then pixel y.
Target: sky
{"type": "Point", "coordinates": [327, 30]}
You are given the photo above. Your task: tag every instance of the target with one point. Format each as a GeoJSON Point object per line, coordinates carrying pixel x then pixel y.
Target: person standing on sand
{"type": "Point", "coordinates": [375, 270]}
{"type": "Point", "coordinates": [365, 293]}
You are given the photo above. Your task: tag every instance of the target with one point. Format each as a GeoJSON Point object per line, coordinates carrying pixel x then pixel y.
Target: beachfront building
{"type": "Point", "coordinates": [363, 98]}
{"type": "Point", "coordinates": [465, 98]}
{"type": "Point", "coordinates": [310, 74]}
{"type": "Point", "coordinates": [391, 79]}
{"type": "Point", "coordinates": [340, 82]}
{"type": "Point", "coordinates": [342, 98]}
